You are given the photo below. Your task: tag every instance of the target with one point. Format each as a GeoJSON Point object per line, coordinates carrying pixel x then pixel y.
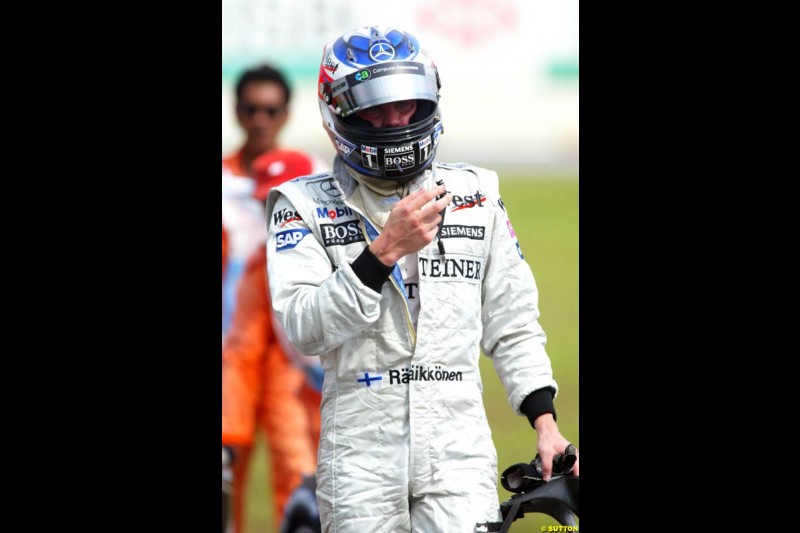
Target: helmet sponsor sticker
{"type": "Point", "coordinates": [330, 63]}
{"type": "Point", "coordinates": [399, 157]}
{"type": "Point", "coordinates": [382, 51]}
{"type": "Point", "coordinates": [369, 156]}
{"type": "Point", "coordinates": [437, 131]}
{"type": "Point", "coordinates": [339, 87]}
{"type": "Point", "coordinates": [377, 71]}
{"type": "Point", "coordinates": [368, 45]}
{"type": "Point", "coordinates": [343, 145]}
{"type": "Point", "coordinates": [424, 148]}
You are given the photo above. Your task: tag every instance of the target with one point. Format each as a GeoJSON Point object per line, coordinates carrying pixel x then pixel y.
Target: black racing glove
{"type": "Point", "coordinates": [523, 477]}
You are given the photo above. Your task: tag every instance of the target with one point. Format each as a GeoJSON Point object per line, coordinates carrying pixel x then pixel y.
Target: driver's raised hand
{"type": "Point", "coordinates": [411, 226]}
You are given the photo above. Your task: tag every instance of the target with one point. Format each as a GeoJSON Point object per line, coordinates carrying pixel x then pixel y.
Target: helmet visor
{"type": "Point", "coordinates": [384, 83]}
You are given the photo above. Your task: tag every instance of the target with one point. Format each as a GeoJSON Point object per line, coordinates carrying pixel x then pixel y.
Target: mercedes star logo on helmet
{"type": "Point", "coordinates": [381, 52]}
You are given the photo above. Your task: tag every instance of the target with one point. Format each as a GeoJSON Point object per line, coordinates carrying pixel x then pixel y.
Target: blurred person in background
{"type": "Point", "coordinates": [262, 110]}
{"type": "Point", "coordinates": [227, 459]}
{"type": "Point", "coordinates": [263, 385]}
{"type": "Point", "coordinates": [224, 250]}
{"type": "Point", "coordinates": [397, 271]}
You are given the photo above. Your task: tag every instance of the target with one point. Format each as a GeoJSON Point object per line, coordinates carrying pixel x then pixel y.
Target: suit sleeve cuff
{"type": "Point", "coordinates": [538, 403]}
{"type": "Point", "coordinates": [370, 270]}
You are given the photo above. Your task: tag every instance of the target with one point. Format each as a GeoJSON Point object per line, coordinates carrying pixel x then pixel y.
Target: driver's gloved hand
{"type": "Point", "coordinates": [562, 462]}
{"type": "Point", "coordinates": [523, 477]}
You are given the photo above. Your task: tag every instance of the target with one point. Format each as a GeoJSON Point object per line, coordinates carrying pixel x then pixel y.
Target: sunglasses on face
{"type": "Point", "coordinates": [250, 110]}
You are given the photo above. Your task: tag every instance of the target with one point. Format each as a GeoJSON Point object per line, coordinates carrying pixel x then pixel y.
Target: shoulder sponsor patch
{"type": "Point", "coordinates": [511, 229]}
{"type": "Point", "coordinates": [513, 235]}
{"type": "Point", "coordinates": [285, 216]}
{"type": "Point", "coordinates": [288, 239]}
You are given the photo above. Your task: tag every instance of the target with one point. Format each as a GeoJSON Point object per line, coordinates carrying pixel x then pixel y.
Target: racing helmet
{"type": "Point", "coordinates": [375, 65]}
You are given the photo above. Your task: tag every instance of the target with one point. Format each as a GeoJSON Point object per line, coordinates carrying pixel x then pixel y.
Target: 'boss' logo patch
{"type": "Point", "coordinates": [341, 234]}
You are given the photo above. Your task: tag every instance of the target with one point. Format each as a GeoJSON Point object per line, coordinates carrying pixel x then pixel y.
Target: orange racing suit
{"type": "Point", "coordinates": [261, 386]}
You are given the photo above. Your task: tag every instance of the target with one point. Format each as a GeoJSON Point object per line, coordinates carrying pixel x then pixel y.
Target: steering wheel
{"type": "Point", "coordinates": [558, 498]}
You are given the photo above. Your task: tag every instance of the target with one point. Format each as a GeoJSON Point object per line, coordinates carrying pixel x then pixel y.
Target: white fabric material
{"type": "Point", "coordinates": [410, 271]}
{"type": "Point", "coordinates": [405, 445]}
{"type": "Point", "coordinates": [376, 198]}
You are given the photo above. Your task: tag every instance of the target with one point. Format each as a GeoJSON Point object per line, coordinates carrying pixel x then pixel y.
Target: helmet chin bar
{"type": "Point", "coordinates": [392, 173]}
{"type": "Point", "coordinates": [395, 154]}
{"type": "Point", "coordinates": [388, 158]}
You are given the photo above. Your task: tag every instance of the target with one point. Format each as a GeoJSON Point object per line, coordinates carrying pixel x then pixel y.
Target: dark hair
{"type": "Point", "coordinates": [261, 74]}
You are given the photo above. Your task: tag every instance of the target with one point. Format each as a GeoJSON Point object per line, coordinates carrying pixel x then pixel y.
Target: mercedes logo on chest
{"type": "Point", "coordinates": [330, 189]}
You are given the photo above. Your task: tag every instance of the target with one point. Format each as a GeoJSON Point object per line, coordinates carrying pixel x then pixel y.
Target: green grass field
{"type": "Point", "coordinates": [544, 211]}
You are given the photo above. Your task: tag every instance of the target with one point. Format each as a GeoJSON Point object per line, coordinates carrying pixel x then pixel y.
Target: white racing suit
{"type": "Point", "coordinates": [405, 444]}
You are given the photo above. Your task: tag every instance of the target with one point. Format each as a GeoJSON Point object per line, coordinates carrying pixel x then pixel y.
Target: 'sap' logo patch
{"type": "Point", "coordinates": [288, 239]}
